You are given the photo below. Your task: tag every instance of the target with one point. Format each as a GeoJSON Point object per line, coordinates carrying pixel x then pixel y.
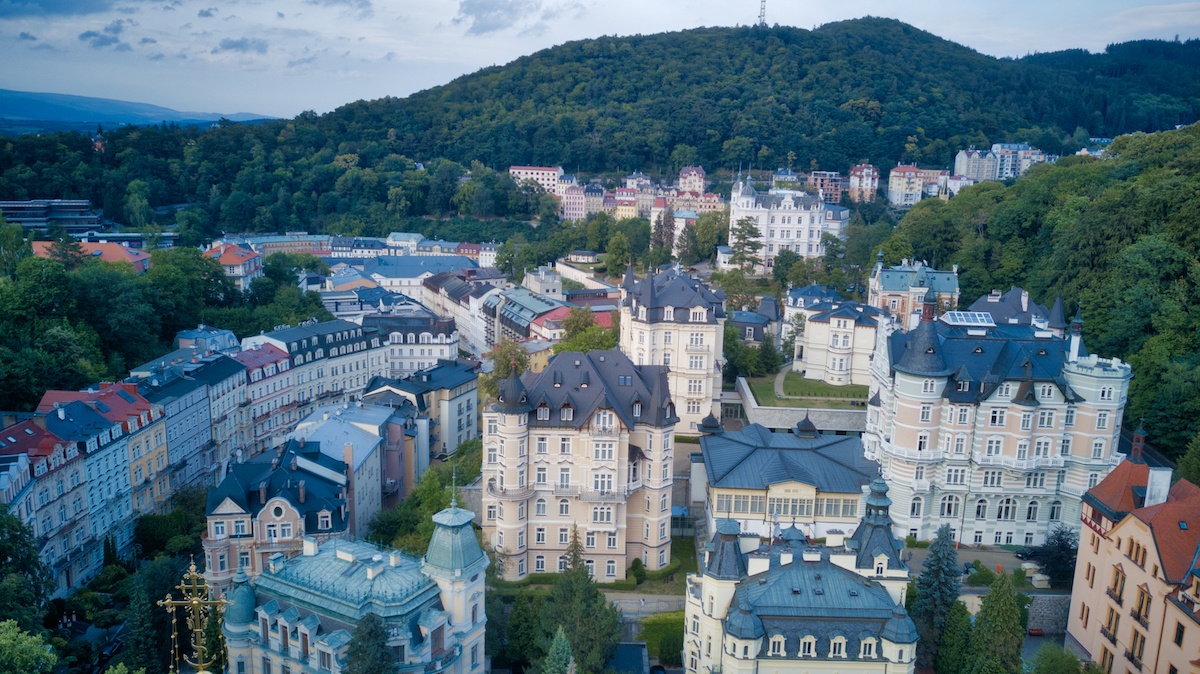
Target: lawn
{"type": "Point", "coordinates": [796, 385]}
{"type": "Point", "coordinates": [763, 389]}
{"type": "Point", "coordinates": [683, 550]}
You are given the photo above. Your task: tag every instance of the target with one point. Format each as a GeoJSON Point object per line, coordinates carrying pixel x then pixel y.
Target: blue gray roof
{"type": "Point", "coordinates": [412, 266]}
{"type": "Point", "coordinates": [240, 610]}
{"type": "Point", "coordinates": [1014, 307]}
{"type": "Point", "coordinates": [755, 458]}
{"type": "Point", "coordinates": [454, 546]}
{"type": "Point", "coordinates": [748, 318]}
{"type": "Point", "coordinates": [811, 294]}
{"type": "Point", "coordinates": [859, 314]}
{"type": "Point", "coordinates": [600, 380]}
{"type": "Point", "coordinates": [671, 288]}
{"type": "Point", "coordinates": [297, 468]}
{"type": "Point", "coordinates": [904, 277]}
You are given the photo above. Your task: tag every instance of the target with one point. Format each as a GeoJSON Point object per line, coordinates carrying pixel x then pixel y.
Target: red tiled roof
{"type": "Point", "coordinates": [257, 357]}
{"type": "Point", "coordinates": [109, 252]}
{"type": "Point", "coordinates": [115, 402]}
{"type": "Point", "coordinates": [28, 437]}
{"type": "Point", "coordinates": [1176, 528]}
{"type": "Point", "coordinates": [1116, 489]}
{"type": "Point", "coordinates": [229, 254]}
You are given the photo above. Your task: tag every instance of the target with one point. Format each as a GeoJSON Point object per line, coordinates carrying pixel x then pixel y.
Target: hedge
{"type": "Point", "coordinates": [664, 629]}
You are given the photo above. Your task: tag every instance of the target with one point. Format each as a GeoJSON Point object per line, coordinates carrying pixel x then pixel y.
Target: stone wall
{"type": "Point", "coordinates": [1049, 612]}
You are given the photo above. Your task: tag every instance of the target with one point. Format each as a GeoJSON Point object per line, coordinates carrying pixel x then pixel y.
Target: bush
{"type": "Point", "coordinates": [628, 583]}
{"type": "Point", "coordinates": [637, 570]}
{"type": "Point", "coordinates": [910, 541]}
{"type": "Point", "coordinates": [665, 572]}
{"type": "Point", "coordinates": [983, 576]}
{"type": "Point", "coordinates": [1018, 577]}
{"type": "Point", "coordinates": [663, 634]}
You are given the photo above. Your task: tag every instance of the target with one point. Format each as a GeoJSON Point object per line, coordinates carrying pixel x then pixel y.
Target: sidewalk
{"type": "Point", "coordinates": [633, 604]}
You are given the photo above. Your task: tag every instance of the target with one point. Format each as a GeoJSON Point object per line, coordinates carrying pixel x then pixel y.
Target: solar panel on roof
{"type": "Point", "coordinates": [969, 319]}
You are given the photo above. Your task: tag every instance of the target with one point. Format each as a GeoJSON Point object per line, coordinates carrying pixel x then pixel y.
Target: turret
{"type": "Point", "coordinates": [1076, 335]}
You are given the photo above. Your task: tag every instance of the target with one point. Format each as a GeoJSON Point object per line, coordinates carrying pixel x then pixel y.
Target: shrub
{"type": "Point", "coordinates": [1018, 576]}
{"type": "Point", "coordinates": [665, 572]}
{"type": "Point", "coordinates": [637, 570]}
{"type": "Point", "coordinates": [663, 634]}
{"type": "Point", "coordinates": [910, 541]}
{"type": "Point", "coordinates": [983, 576]}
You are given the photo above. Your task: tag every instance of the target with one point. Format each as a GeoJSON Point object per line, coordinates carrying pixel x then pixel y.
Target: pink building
{"type": "Point", "coordinates": [574, 203]}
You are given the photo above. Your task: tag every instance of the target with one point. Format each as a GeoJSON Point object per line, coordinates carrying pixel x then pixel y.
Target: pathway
{"type": "Point", "coordinates": [634, 604]}
{"type": "Point", "coordinates": [787, 367]}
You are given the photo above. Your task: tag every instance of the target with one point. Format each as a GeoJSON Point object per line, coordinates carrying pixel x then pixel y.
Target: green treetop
{"type": "Point", "coordinates": [369, 652]}
{"type": "Point", "coordinates": [997, 637]}
{"type": "Point", "coordinates": [937, 591]}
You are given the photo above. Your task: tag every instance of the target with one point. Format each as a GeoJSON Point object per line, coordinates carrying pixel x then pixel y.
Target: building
{"type": "Point", "coordinates": [786, 219]}
{"type": "Point", "coordinates": [227, 391]}
{"type": "Point", "coordinates": [1003, 162]}
{"type": "Point", "coordinates": [405, 273]}
{"type": "Point", "coordinates": [75, 215]}
{"type": "Point", "coordinates": [673, 320]}
{"type": "Point", "coordinates": [357, 246]}
{"type": "Point", "coordinates": [583, 257]}
{"type": "Point", "coordinates": [787, 606]}
{"type": "Point", "coordinates": [544, 281]}
{"type": "Point", "coordinates": [574, 205]}
{"type": "Point", "coordinates": [448, 393]}
{"type": "Point", "coordinates": [268, 505]}
{"type": "Point", "coordinates": [751, 326]}
{"type": "Point", "coordinates": [1139, 542]}
{"type": "Point", "coordinates": [995, 430]}
{"type": "Point", "coordinates": [1015, 308]}
{"type": "Point", "coordinates": [241, 265]}
{"type": "Point", "coordinates": [763, 480]}
{"type": "Point", "coordinates": [300, 612]}
{"type": "Point", "coordinates": [386, 427]}
{"type": "Point", "coordinates": [402, 243]}
{"type": "Point", "coordinates": [978, 165]}
{"type": "Point", "coordinates": [546, 176]}
{"type": "Point", "coordinates": [270, 396]}
{"type": "Point", "coordinates": [206, 339]}
{"type": "Point", "coordinates": [798, 302]}
{"type": "Point", "coordinates": [863, 183]}
{"type": "Point", "coordinates": [582, 449]}
{"type": "Point", "coordinates": [416, 337]}
{"type": "Point", "coordinates": [692, 179]}
{"type": "Point", "coordinates": [108, 252]}
{"type": "Point", "coordinates": [828, 184]}
{"type": "Point", "coordinates": [908, 184]}
{"type": "Point", "coordinates": [461, 300]}
{"type": "Point", "coordinates": [900, 290]}
{"type": "Point", "coordinates": [188, 413]}
{"type": "Point", "coordinates": [510, 313]}
{"type": "Point", "coordinates": [839, 340]}
{"type": "Point", "coordinates": [487, 254]}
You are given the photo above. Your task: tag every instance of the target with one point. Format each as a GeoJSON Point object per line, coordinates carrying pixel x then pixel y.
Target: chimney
{"type": "Point", "coordinates": [301, 486]}
{"type": "Point", "coordinates": [1158, 484]}
{"type": "Point", "coordinates": [309, 546]}
{"type": "Point", "coordinates": [62, 413]}
{"type": "Point", "coordinates": [757, 563]}
{"type": "Point", "coordinates": [835, 538]}
{"type": "Point", "coordinates": [292, 465]}
{"type": "Point", "coordinates": [262, 492]}
{"type": "Point", "coordinates": [1024, 300]}
{"type": "Point", "coordinates": [275, 463]}
{"type": "Point", "coordinates": [811, 554]}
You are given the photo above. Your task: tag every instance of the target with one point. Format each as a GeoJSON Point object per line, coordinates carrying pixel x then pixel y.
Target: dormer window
{"type": "Point", "coordinates": [637, 410]}
{"type": "Point", "coordinates": [566, 413]}
{"type": "Point", "coordinates": [669, 314]}
{"type": "Point", "coordinates": [964, 386]}
{"type": "Point", "coordinates": [698, 315]}
{"type": "Point", "coordinates": [543, 413]}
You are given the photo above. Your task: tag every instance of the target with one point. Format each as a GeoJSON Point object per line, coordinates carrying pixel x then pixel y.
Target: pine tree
{"type": "Point", "coordinates": [558, 659]}
{"type": "Point", "coordinates": [997, 637]}
{"type": "Point", "coordinates": [618, 253]}
{"type": "Point", "coordinates": [768, 356]}
{"type": "Point", "coordinates": [956, 638]}
{"type": "Point", "coordinates": [368, 652]}
{"type": "Point", "coordinates": [590, 622]}
{"type": "Point", "coordinates": [937, 590]}
{"type": "Point", "coordinates": [214, 641]}
{"type": "Point", "coordinates": [1188, 467]}
{"type": "Point", "coordinates": [142, 651]}
{"type": "Point", "coordinates": [66, 249]}
{"type": "Point", "coordinates": [744, 244]}
{"type": "Point", "coordinates": [689, 245]}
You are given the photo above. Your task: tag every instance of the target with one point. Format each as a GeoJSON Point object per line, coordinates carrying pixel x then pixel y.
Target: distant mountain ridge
{"type": "Point", "coordinates": [25, 108]}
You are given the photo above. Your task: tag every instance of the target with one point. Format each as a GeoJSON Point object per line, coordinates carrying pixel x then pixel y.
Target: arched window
{"type": "Point", "coordinates": [564, 507]}
{"type": "Point", "coordinates": [927, 386]}
{"type": "Point", "coordinates": [1031, 513]}
{"type": "Point", "coordinates": [837, 647]}
{"type": "Point", "coordinates": [981, 507]}
{"type": "Point", "coordinates": [1055, 511]}
{"type": "Point", "coordinates": [867, 649]}
{"type": "Point", "coordinates": [918, 505]}
{"type": "Point", "coordinates": [777, 645]}
{"type": "Point", "coordinates": [540, 506]}
{"type": "Point", "coordinates": [1007, 510]}
{"type": "Point", "coordinates": [950, 505]}
{"type": "Point", "coordinates": [412, 338]}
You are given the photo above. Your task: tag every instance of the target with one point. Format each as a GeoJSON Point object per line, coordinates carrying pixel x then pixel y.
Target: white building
{"type": "Point", "coordinates": [787, 220]}
{"type": "Point", "coordinates": [839, 340]}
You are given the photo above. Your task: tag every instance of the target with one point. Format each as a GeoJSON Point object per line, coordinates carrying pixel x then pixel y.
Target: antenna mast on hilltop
{"type": "Point", "coordinates": [762, 13]}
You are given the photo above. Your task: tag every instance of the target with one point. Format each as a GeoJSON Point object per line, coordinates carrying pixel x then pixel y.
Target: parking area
{"type": "Point", "coordinates": [989, 556]}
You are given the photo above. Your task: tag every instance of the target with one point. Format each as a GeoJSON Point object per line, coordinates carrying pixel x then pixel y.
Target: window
{"type": "Point", "coordinates": [218, 529]}
{"type": "Point", "coordinates": [927, 386]}
{"type": "Point", "coordinates": [776, 645]}
{"type": "Point", "coordinates": [868, 648]}
{"type": "Point", "coordinates": [960, 445]}
{"type": "Point", "coordinates": [981, 507]}
{"type": "Point", "coordinates": [564, 446]}
{"type": "Point", "coordinates": [1106, 393]}
{"type": "Point", "coordinates": [837, 647]}
{"type": "Point", "coordinates": [1179, 630]}
{"type": "Point", "coordinates": [1041, 447]}
{"type": "Point", "coordinates": [994, 446]}
{"type": "Point", "coordinates": [564, 507]}
{"type": "Point", "coordinates": [926, 413]}
{"type": "Point", "coordinates": [1098, 449]}
{"type": "Point", "coordinates": [542, 445]}
{"type": "Point", "coordinates": [492, 454]}
{"type": "Point", "coordinates": [539, 564]}
{"type": "Point", "coordinates": [564, 478]}
{"type": "Point", "coordinates": [950, 506]}
{"type": "Point", "coordinates": [1026, 421]}
{"type": "Point", "coordinates": [1005, 391]}
{"type": "Point", "coordinates": [566, 413]}
{"type": "Point", "coordinates": [962, 415]}
{"type": "Point", "coordinates": [589, 539]}
{"type": "Point", "coordinates": [1069, 417]}
{"type": "Point", "coordinates": [539, 507]}
{"type": "Point", "coordinates": [603, 451]}
{"type": "Point", "coordinates": [1101, 421]}
{"type": "Point", "coordinates": [1031, 513]}
{"type": "Point", "coordinates": [600, 515]}
{"type": "Point", "coordinates": [543, 413]}
{"type": "Point", "coordinates": [612, 540]}
{"type": "Point", "coordinates": [1046, 419]}
{"type": "Point", "coordinates": [1055, 511]}
{"type": "Point", "coordinates": [808, 647]}
{"type": "Point", "coordinates": [540, 476]}
{"type": "Point", "coordinates": [997, 417]}
{"type": "Point", "coordinates": [1007, 510]}
{"type": "Point", "coordinates": [564, 536]}
{"type": "Point", "coordinates": [922, 442]}
{"type": "Point", "coordinates": [956, 476]}
{"type": "Point", "coordinates": [1035, 480]}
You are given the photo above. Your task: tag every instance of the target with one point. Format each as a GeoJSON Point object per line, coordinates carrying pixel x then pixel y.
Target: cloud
{"type": "Point", "coordinates": [116, 27]}
{"type": "Point", "coordinates": [28, 36]}
{"type": "Point", "coordinates": [99, 40]}
{"type": "Point", "coordinates": [147, 40]}
{"type": "Point", "coordinates": [207, 12]}
{"type": "Point", "coordinates": [302, 61]}
{"type": "Point", "coordinates": [489, 16]}
{"type": "Point", "coordinates": [11, 8]}
{"type": "Point", "coordinates": [243, 45]}
{"type": "Point", "coordinates": [360, 8]}
{"type": "Point", "coordinates": [279, 15]}
{"type": "Point", "coordinates": [157, 56]}
{"type": "Point", "coordinates": [1157, 17]}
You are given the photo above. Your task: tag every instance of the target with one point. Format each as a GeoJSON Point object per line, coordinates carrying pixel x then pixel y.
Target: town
{"type": "Point", "coordinates": [830, 476]}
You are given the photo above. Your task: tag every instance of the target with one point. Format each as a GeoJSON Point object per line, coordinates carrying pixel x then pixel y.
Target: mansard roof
{"type": "Point", "coordinates": [861, 314]}
{"type": "Point", "coordinates": [755, 458]}
{"type": "Point", "coordinates": [672, 288]}
{"type": "Point", "coordinates": [596, 380]}
{"type": "Point", "coordinates": [1014, 307]}
{"type": "Point", "coordinates": [281, 474]}
{"type": "Point", "coordinates": [904, 277]}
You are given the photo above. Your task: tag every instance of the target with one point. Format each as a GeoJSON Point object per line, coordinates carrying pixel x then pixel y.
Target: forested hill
{"type": "Point", "coordinates": [867, 89]}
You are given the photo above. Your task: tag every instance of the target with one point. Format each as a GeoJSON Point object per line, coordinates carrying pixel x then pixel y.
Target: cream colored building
{"type": "Point", "coordinates": [673, 320]}
{"type": "Point", "coordinates": [785, 607]}
{"type": "Point", "coordinates": [996, 431]}
{"type": "Point", "coordinates": [1134, 599]}
{"type": "Point", "coordinates": [585, 448]}
{"type": "Point", "coordinates": [839, 339]}
{"type": "Point", "coordinates": [900, 289]}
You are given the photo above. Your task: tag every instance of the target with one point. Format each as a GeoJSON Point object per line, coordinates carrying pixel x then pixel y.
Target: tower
{"type": "Point", "coordinates": [456, 563]}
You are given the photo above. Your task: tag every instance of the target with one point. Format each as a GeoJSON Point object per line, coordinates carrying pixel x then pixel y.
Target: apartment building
{"type": "Point", "coordinates": [673, 320]}
{"type": "Point", "coordinates": [583, 448]}
{"type": "Point", "coordinates": [692, 179]}
{"type": "Point", "coordinates": [908, 184]}
{"type": "Point", "coordinates": [900, 289]}
{"type": "Point", "coordinates": [995, 430]}
{"type": "Point", "coordinates": [416, 337]}
{"type": "Point", "coordinates": [448, 393]}
{"type": "Point", "coordinates": [240, 264]}
{"type": "Point", "coordinates": [270, 396]}
{"type": "Point", "coordinates": [828, 184]}
{"type": "Point", "coordinates": [188, 414]}
{"type": "Point", "coordinates": [839, 340]}
{"type": "Point", "coordinates": [863, 183]}
{"type": "Point", "coordinates": [788, 606]}
{"type": "Point", "coordinates": [227, 390]}
{"type": "Point", "coordinates": [787, 219]}
{"type": "Point", "coordinates": [1134, 598]}
{"type": "Point", "coordinates": [546, 176]}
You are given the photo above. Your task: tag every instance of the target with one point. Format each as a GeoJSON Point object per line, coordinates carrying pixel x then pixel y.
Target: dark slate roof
{"type": "Point", "coordinates": [811, 294]}
{"type": "Point", "coordinates": [748, 318]}
{"type": "Point", "coordinates": [906, 276]}
{"type": "Point", "coordinates": [416, 319]}
{"type": "Point", "coordinates": [275, 470]}
{"type": "Point", "coordinates": [1058, 317]}
{"type": "Point", "coordinates": [1002, 353]}
{"type": "Point", "coordinates": [218, 368]}
{"type": "Point", "coordinates": [873, 536]}
{"type": "Point", "coordinates": [754, 458]}
{"type": "Point", "coordinates": [769, 306]}
{"type": "Point", "coordinates": [672, 288]}
{"type": "Point", "coordinates": [410, 266]}
{"type": "Point", "coordinates": [861, 314]}
{"type": "Point", "coordinates": [511, 395]}
{"type": "Point", "coordinates": [600, 380]}
{"type": "Point", "coordinates": [818, 599]}
{"type": "Point", "coordinates": [1014, 307]}
{"type": "Point", "coordinates": [724, 558]}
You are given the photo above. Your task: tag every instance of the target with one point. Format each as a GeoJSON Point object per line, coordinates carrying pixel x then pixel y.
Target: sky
{"type": "Point", "coordinates": [281, 58]}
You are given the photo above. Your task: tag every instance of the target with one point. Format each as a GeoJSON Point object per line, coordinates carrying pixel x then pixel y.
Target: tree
{"type": "Point", "coordinates": [23, 652]}
{"type": "Point", "coordinates": [784, 261]}
{"type": "Point", "coordinates": [712, 230]}
{"type": "Point", "coordinates": [1056, 556]}
{"type": "Point", "coordinates": [214, 642]}
{"type": "Point", "coordinates": [66, 249]}
{"type": "Point", "coordinates": [663, 234]}
{"type": "Point", "coordinates": [618, 253]}
{"type": "Point", "coordinates": [25, 582]}
{"type": "Point", "coordinates": [558, 659]}
{"type": "Point", "coordinates": [956, 638]}
{"type": "Point", "coordinates": [1188, 467]}
{"type": "Point", "coordinates": [525, 644]}
{"type": "Point", "coordinates": [744, 244]}
{"type": "Point", "coordinates": [369, 652]}
{"type": "Point", "coordinates": [1054, 659]}
{"type": "Point", "coordinates": [769, 359]}
{"type": "Point", "coordinates": [14, 247]}
{"type": "Point", "coordinates": [576, 321]}
{"type": "Point", "coordinates": [591, 623]}
{"type": "Point", "coordinates": [689, 245]}
{"type": "Point", "coordinates": [138, 213]}
{"type": "Point", "coordinates": [141, 649]}
{"type": "Point", "coordinates": [997, 637]}
{"type": "Point", "coordinates": [595, 338]}
{"type": "Point", "coordinates": [120, 668]}
{"type": "Point", "coordinates": [937, 591]}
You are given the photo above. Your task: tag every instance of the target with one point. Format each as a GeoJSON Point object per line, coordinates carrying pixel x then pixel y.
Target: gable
{"type": "Point", "coordinates": [228, 507]}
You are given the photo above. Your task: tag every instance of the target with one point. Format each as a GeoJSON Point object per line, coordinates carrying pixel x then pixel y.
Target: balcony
{"type": "Point", "coordinates": [506, 494]}
{"type": "Point", "coordinates": [605, 431]}
{"type": "Point", "coordinates": [1114, 595]}
{"type": "Point", "coordinates": [604, 496]}
{"type": "Point", "coordinates": [920, 486]}
{"type": "Point", "coordinates": [1108, 634]}
{"type": "Point", "coordinates": [1134, 660]}
{"type": "Point", "coordinates": [1141, 619]}
{"type": "Point", "coordinates": [930, 455]}
{"type": "Point", "coordinates": [565, 490]}
{"type": "Point", "coordinates": [1031, 463]}
{"type": "Point", "coordinates": [696, 348]}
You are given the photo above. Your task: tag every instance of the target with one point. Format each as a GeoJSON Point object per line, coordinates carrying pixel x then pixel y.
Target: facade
{"type": "Point", "coordinates": [829, 184]}
{"type": "Point", "coordinates": [405, 273]}
{"type": "Point", "coordinates": [188, 413]}
{"type": "Point", "coordinates": [361, 444]}
{"type": "Point", "coordinates": [763, 480]}
{"type": "Point", "coordinates": [544, 281]}
{"type": "Point", "coordinates": [582, 449]}
{"type": "Point", "coordinates": [908, 184]}
{"type": "Point", "coordinates": [787, 220]}
{"type": "Point", "coordinates": [510, 313]}
{"type": "Point", "coordinates": [994, 430]}
{"type": "Point", "coordinates": [839, 340]}
{"type": "Point", "coordinates": [241, 265]}
{"type": "Point", "coordinates": [1003, 162]}
{"type": "Point", "coordinates": [900, 290]}
{"type": "Point", "coordinates": [1138, 542]}
{"type": "Point", "coordinates": [786, 606]}
{"type": "Point", "coordinates": [300, 613]}
{"type": "Point", "coordinates": [799, 301]}
{"type": "Point", "coordinates": [863, 183]}
{"type": "Point", "coordinates": [673, 320]}
{"type": "Point", "coordinates": [267, 506]}
{"type": "Point", "coordinates": [691, 179]}
{"type": "Point", "coordinates": [448, 393]}
{"type": "Point", "coordinates": [270, 400]}
{"type": "Point", "coordinates": [227, 390]}
{"type": "Point", "coordinates": [75, 215]}
{"type": "Point", "coordinates": [546, 176]}
{"type": "Point", "coordinates": [416, 338]}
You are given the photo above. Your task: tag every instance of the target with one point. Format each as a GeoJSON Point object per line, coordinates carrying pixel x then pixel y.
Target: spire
{"type": "Point", "coordinates": [928, 306]}
{"type": "Point", "coordinates": [454, 487]}
{"type": "Point", "coordinates": [630, 279]}
{"type": "Point", "coordinates": [1057, 320]}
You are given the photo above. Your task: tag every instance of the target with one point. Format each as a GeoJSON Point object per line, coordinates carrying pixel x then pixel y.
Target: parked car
{"type": "Point", "coordinates": [1025, 553]}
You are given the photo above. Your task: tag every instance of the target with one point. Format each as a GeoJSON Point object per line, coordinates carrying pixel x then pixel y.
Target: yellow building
{"type": "Point", "coordinates": [1134, 604]}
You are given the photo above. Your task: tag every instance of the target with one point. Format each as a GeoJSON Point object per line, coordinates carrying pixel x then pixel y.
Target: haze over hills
{"type": "Point", "coordinates": [24, 111]}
